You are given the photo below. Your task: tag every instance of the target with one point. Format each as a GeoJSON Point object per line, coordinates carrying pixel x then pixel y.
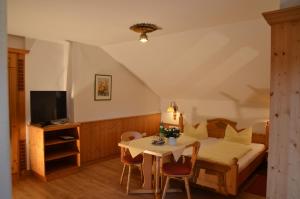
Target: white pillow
{"type": "Point", "coordinates": [242, 137]}
{"type": "Point", "coordinates": [198, 133]}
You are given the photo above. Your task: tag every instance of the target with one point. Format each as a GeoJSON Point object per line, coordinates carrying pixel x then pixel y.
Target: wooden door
{"type": "Point", "coordinates": [21, 120]}
{"type": "Point", "coordinates": [14, 132]}
{"type": "Point", "coordinates": [16, 74]}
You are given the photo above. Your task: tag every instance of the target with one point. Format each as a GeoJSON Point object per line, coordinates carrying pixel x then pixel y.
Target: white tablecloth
{"type": "Point", "coordinates": [144, 145]}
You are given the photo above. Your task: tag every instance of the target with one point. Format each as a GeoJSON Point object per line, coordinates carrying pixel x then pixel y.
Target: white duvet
{"type": "Point", "coordinates": [243, 161]}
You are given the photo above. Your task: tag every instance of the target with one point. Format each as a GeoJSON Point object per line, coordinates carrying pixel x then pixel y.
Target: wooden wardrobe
{"type": "Point", "coordinates": [16, 78]}
{"type": "Point", "coordinates": [284, 144]}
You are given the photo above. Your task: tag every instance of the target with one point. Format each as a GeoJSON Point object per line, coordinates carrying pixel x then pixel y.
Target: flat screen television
{"type": "Point", "coordinates": [48, 106]}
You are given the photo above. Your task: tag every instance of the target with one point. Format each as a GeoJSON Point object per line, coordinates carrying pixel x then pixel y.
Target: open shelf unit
{"type": "Point", "coordinates": [57, 141]}
{"type": "Point", "coordinates": [60, 154]}
{"type": "Point", "coordinates": [54, 150]}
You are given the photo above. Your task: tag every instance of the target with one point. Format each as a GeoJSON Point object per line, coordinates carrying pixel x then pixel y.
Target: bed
{"type": "Point", "coordinates": [227, 178]}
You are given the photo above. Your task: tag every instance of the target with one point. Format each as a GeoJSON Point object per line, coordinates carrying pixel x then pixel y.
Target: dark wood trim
{"type": "Point", "coordinates": [18, 51]}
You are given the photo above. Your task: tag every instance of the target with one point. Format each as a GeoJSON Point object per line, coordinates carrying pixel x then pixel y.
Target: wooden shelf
{"type": "Point", "coordinates": [51, 156]}
{"type": "Point", "coordinates": [59, 165]}
{"type": "Point", "coordinates": [60, 126]}
{"type": "Point", "coordinates": [59, 154]}
{"type": "Point", "coordinates": [55, 141]}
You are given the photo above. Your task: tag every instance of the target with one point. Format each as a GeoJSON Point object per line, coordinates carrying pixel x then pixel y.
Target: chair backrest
{"type": "Point", "coordinates": [196, 147]}
{"type": "Point", "coordinates": [130, 135]}
{"type": "Point", "coordinates": [127, 136]}
{"type": "Point", "coordinates": [191, 160]}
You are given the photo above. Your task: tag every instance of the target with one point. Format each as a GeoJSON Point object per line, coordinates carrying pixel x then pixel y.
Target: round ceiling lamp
{"type": "Point", "coordinates": [144, 28]}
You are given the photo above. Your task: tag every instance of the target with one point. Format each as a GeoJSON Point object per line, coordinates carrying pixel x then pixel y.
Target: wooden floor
{"type": "Point", "coordinates": [99, 180]}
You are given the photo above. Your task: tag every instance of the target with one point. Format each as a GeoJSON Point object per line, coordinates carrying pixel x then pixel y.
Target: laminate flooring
{"type": "Point", "coordinates": [100, 181]}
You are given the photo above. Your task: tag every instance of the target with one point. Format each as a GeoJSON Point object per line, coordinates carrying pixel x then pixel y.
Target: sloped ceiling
{"type": "Point", "coordinates": [207, 63]}
{"type": "Point", "coordinates": [207, 49]}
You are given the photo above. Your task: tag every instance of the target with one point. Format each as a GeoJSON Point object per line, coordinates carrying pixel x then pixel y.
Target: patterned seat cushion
{"type": "Point", "coordinates": [177, 168]}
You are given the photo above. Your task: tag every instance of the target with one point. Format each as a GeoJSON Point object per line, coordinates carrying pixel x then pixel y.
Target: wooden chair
{"type": "Point", "coordinates": [181, 169]}
{"type": "Point", "coordinates": [127, 159]}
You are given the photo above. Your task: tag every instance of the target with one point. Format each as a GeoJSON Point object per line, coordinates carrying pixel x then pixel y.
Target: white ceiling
{"type": "Point", "coordinates": [202, 63]}
{"type": "Point", "coordinates": [100, 22]}
{"type": "Point", "coordinates": [208, 49]}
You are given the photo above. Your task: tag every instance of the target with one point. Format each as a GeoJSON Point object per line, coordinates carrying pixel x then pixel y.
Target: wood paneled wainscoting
{"type": "Point", "coordinates": [99, 139]}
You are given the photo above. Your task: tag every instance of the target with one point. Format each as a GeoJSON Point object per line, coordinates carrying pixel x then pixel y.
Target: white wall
{"type": "Point", "coordinates": [5, 171]}
{"type": "Point", "coordinates": [45, 68]}
{"type": "Point", "coordinates": [130, 96]}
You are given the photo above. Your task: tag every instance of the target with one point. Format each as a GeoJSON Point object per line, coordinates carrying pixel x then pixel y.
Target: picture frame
{"type": "Point", "coordinates": [102, 87]}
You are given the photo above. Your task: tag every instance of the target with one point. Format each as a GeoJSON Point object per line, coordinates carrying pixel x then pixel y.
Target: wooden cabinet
{"type": "Point", "coordinates": [54, 150]}
{"type": "Point", "coordinates": [16, 83]}
{"type": "Point", "coordinates": [284, 147]}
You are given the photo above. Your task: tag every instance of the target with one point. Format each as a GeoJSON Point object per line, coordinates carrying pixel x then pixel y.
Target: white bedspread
{"type": "Point", "coordinates": [243, 162]}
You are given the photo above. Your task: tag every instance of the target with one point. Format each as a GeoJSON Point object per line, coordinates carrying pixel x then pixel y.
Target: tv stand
{"type": "Point", "coordinates": [61, 121]}
{"type": "Point", "coordinates": [52, 122]}
{"type": "Point", "coordinates": [45, 124]}
{"type": "Point", "coordinates": [54, 150]}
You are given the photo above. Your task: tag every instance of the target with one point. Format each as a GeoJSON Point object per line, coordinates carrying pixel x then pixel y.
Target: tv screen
{"type": "Point", "coordinates": [47, 106]}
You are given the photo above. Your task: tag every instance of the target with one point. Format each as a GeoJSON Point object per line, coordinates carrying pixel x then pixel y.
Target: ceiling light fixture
{"type": "Point", "coordinates": [143, 38]}
{"type": "Point", "coordinates": [144, 28]}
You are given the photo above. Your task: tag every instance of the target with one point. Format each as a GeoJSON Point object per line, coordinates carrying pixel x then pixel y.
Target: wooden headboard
{"type": "Point", "coordinates": [216, 128]}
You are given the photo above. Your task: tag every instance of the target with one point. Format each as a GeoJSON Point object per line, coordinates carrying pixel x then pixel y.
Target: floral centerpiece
{"type": "Point", "coordinates": [171, 132]}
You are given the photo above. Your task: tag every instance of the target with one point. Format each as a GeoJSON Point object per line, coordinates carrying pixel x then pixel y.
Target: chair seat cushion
{"type": "Point", "coordinates": [129, 160]}
{"type": "Point", "coordinates": [176, 169]}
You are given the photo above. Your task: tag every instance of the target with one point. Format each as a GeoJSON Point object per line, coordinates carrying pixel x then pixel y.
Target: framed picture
{"type": "Point", "coordinates": [103, 87]}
